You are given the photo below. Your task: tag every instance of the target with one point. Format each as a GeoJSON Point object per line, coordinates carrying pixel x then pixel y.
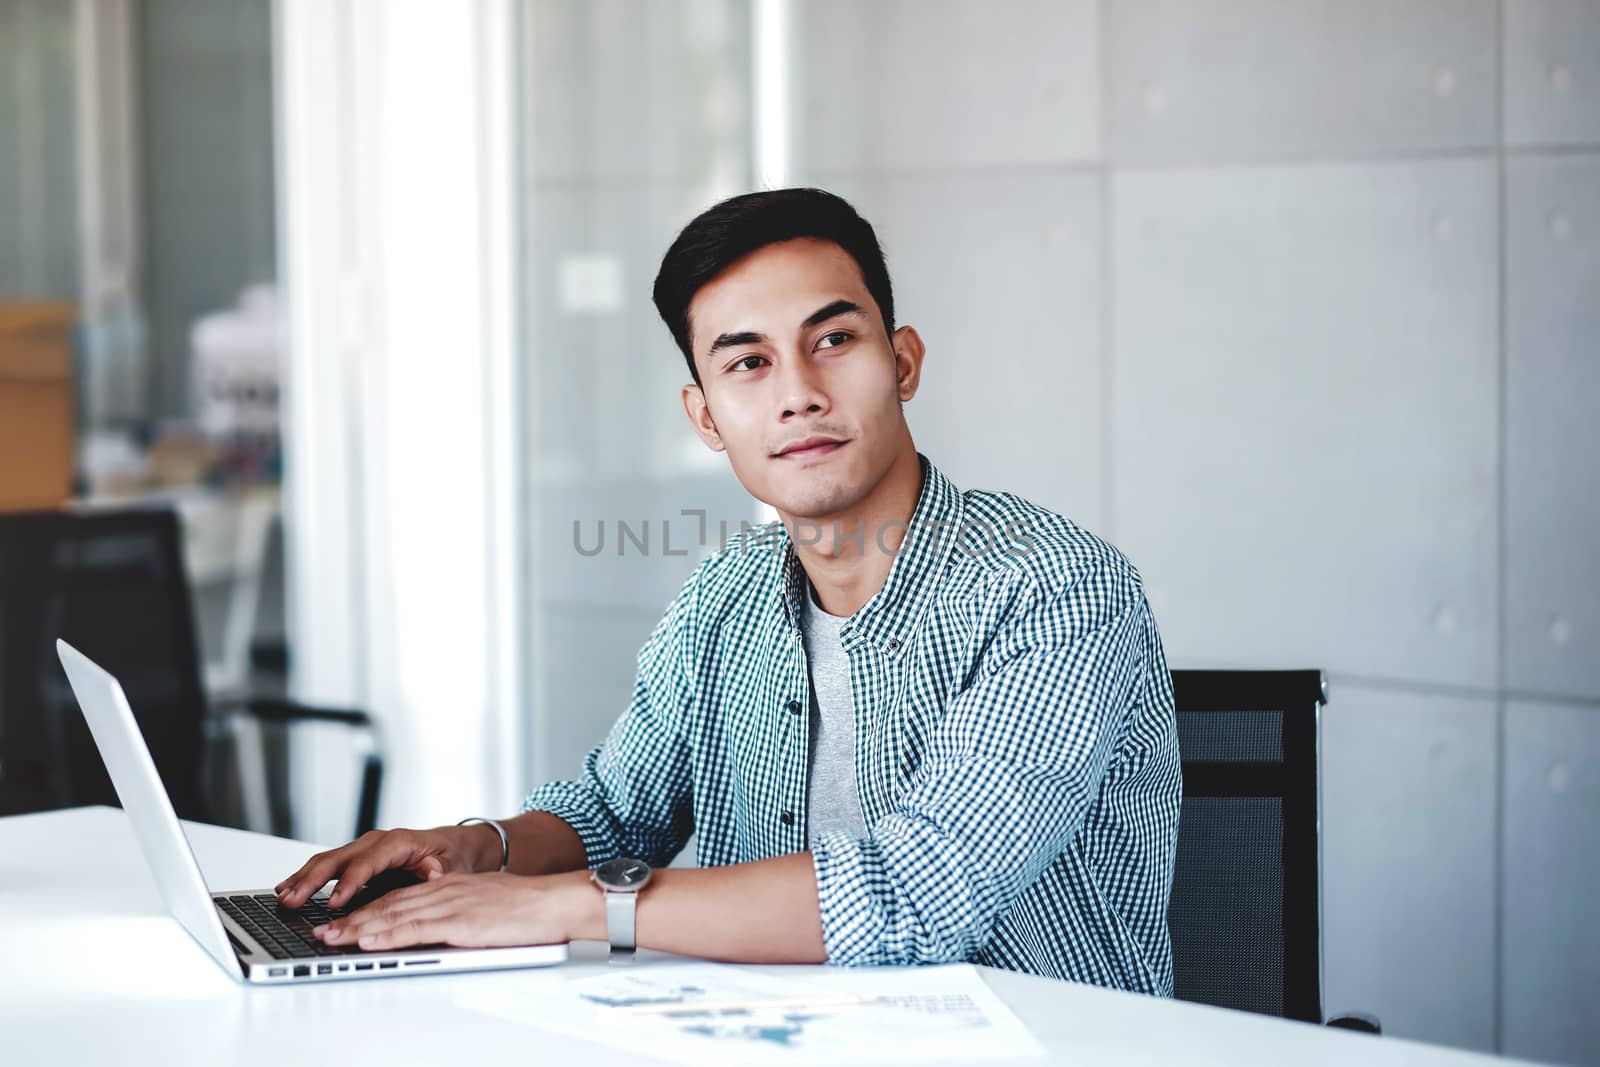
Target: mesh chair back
{"type": "Point", "coordinates": [114, 585]}
{"type": "Point", "coordinates": [1245, 915]}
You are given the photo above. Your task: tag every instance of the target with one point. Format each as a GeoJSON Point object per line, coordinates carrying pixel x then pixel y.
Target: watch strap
{"type": "Point", "coordinates": [620, 911]}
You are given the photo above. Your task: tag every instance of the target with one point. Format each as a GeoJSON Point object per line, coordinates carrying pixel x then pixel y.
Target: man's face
{"type": "Point", "coordinates": [791, 351]}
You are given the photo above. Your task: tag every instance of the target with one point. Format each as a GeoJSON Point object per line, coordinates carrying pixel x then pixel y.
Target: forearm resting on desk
{"type": "Point", "coordinates": [762, 912]}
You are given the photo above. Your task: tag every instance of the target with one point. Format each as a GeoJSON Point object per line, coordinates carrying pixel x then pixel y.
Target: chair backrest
{"type": "Point", "coordinates": [1246, 903]}
{"type": "Point", "coordinates": [113, 584]}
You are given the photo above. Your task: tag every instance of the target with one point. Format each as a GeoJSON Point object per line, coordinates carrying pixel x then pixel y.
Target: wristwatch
{"type": "Point", "coordinates": [621, 879]}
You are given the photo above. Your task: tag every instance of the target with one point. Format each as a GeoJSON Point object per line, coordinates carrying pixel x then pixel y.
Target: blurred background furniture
{"type": "Point", "coordinates": [1246, 910]}
{"type": "Point", "coordinates": [36, 402]}
{"type": "Point", "coordinates": [115, 585]}
{"type": "Point", "coordinates": [228, 539]}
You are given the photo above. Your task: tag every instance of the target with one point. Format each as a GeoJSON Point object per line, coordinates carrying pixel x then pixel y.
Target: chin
{"type": "Point", "coordinates": [822, 497]}
{"type": "Point", "coordinates": [809, 493]}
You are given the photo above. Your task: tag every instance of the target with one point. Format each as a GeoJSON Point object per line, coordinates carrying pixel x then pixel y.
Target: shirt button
{"type": "Point", "coordinates": [794, 707]}
{"type": "Point", "coordinates": [788, 818]}
{"type": "Point", "coordinates": [894, 644]}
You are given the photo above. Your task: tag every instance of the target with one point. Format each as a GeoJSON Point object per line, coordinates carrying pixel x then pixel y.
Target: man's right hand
{"type": "Point", "coordinates": [425, 853]}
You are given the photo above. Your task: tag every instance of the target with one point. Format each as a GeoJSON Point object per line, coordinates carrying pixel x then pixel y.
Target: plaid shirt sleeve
{"type": "Point", "coordinates": [1011, 771]}
{"type": "Point", "coordinates": [633, 797]}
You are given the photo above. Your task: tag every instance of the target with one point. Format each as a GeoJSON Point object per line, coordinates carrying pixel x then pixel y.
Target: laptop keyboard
{"type": "Point", "coordinates": [285, 932]}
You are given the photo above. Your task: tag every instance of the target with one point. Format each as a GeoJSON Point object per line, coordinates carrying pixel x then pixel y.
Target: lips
{"type": "Point", "coordinates": [809, 446]}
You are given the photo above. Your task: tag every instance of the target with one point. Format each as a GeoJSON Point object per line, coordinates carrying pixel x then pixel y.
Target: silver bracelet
{"type": "Point", "coordinates": [505, 841]}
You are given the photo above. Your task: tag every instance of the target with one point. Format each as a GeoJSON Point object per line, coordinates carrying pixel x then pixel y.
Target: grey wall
{"type": "Point", "coordinates": [1295, 302]}
{"type": "Point", "coordinates": [205, 142]}
{"type": "Point", "coordinates": [635, 118]}
{"type": "Point", "coordinates": [38, 157]}
{"type": "Point", "coordinates": [206, 154]}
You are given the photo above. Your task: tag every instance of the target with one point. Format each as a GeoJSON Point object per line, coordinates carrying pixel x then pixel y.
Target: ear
{"type": "Point", "coordinates": [908, 352]}
{"type": "Point", "coordinates": [694, 406]}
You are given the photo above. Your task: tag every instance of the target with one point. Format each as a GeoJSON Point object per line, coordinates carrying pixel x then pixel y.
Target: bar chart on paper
{"type": "Point", "coordinates": [713, 1014]}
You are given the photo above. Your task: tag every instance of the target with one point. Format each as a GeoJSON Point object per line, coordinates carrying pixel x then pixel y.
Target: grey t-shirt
{"type": "Point", "coordinates": [831, 801]}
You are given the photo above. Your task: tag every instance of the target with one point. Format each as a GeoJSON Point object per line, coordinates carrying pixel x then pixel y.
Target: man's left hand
{"type": "Point", "coordinates": [471, 911]}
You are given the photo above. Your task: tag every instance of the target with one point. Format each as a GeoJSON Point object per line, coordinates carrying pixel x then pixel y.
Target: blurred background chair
{"type": "Point", "coordinates": [1246, 910]}
{"type": "Point", "coordinates": [114, 584]}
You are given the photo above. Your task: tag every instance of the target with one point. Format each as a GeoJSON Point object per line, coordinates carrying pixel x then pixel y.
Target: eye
{"type": "Point", "coordinates": [840, 334]}
{"type": "Point", "coordinates": [747, 363]}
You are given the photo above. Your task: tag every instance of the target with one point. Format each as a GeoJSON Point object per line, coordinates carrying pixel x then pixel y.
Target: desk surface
{"type": "Point", "coordinates": [74, 888]}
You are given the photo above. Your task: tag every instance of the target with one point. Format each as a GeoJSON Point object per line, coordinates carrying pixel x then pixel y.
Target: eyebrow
{"type": "Point", "coordinates": [821, 315]}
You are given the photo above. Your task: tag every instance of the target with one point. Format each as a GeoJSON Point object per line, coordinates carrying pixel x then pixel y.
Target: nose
{"type": "Point", "coordinates": [799, 389]}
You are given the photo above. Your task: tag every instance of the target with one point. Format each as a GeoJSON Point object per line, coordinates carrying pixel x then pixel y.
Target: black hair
{"type": "Point", "coordinates": [740, 225]}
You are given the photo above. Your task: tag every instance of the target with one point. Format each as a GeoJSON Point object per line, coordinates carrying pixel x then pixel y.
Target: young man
{"type": "Point", "coordinates": [906, 724]}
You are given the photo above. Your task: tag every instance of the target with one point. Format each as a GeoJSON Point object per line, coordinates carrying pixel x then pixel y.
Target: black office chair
{"type": "Point", "coordinates": [1246, 910]}
{"type": "Point", "coordinates": [113, 584]}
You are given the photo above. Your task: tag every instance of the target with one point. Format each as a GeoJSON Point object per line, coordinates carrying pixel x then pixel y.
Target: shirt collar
{"type": "Point", "coordinates": [889, 616]}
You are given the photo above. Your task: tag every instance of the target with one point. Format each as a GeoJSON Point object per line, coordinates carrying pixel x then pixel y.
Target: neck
{"type": "Point", "coordinates": [847, 555]}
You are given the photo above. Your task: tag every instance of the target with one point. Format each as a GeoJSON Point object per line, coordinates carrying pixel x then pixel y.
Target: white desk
{"type": "Point", "coordinates": [73, 888]}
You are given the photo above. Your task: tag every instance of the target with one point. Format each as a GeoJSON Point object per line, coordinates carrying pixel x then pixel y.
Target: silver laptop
{"type": "Point", "coordinates": [249, 933]}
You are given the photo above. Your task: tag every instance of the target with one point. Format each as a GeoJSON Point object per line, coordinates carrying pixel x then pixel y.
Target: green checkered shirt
{"type": "Point", "coordinates": [1016, 751]}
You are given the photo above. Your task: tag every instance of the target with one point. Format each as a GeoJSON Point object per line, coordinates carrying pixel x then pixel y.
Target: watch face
{"type": "Point", "coordinates": [623, 873]}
